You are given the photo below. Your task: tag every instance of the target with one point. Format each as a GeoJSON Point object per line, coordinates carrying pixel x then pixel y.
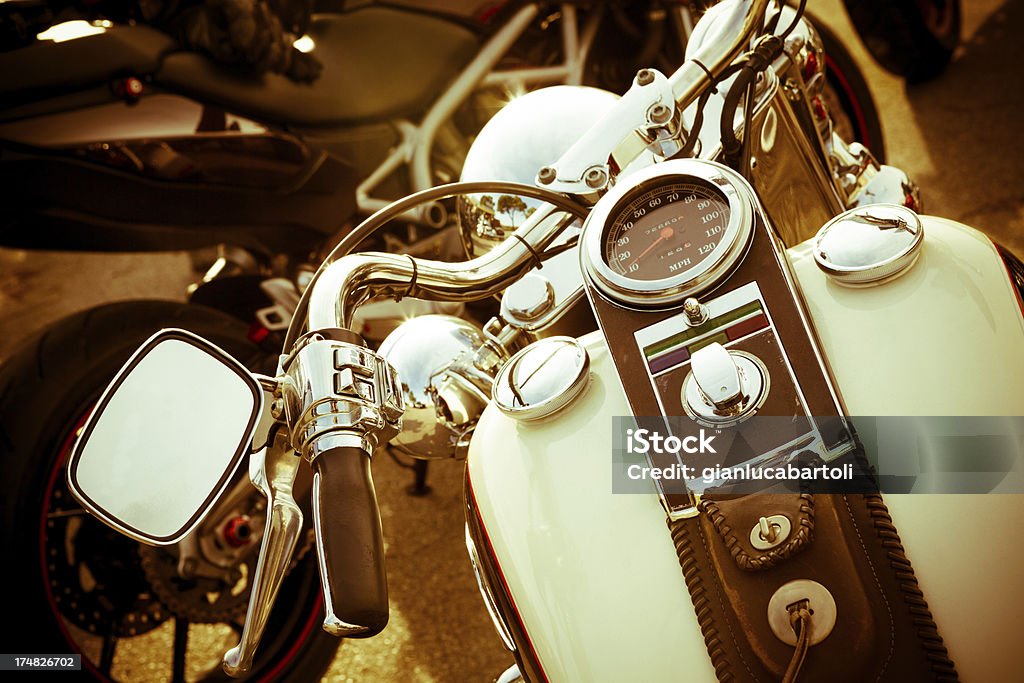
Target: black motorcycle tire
{"type": "Point", "coordinates": [46, 389]}
{"type": "Point", "coordinates": [903, 40]}
{"type": "Point", "coordinates": [846, 82]}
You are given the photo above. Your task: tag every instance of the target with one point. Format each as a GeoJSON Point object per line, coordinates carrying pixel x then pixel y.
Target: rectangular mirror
{"type": "Point", "coordinates": [165, 437]}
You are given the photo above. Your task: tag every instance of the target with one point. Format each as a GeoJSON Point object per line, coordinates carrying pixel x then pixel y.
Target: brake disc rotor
{"type": "Point", "coordinates": [198, 599]}
{"type": "Point", "coordinates": [94, 573]}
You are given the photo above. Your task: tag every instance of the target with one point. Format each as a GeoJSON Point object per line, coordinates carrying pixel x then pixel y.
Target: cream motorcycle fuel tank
{"type": "Point", "coordinates": [590, 579]}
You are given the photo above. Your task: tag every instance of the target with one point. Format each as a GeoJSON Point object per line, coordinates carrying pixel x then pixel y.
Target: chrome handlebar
{"type": "Point", "coordinates": [689, 80]}
{"type": "Point", "coordinates": [355, 278]}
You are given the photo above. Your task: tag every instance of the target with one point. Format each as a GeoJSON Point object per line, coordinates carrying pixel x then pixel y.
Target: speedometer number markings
{"type": "Point", "coordinates": [666, 231]}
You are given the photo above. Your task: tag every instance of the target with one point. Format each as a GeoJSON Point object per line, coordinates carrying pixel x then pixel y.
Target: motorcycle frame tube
{"type": "Point", "coordinates": [417, 140]}
{"type": "Point", "coordinates": [575, 49]}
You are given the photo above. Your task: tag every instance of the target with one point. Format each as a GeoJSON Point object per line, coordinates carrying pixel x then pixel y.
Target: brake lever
{"type": "Point", "coordinates": [273, 471]}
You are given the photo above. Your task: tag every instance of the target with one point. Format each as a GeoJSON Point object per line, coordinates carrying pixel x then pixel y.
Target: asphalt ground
{"type": "Point", "coordinates": [958, 136]}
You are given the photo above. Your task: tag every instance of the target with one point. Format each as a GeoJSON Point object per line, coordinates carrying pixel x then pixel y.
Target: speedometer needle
{"type": "Point", "coordinates": [664, 235]}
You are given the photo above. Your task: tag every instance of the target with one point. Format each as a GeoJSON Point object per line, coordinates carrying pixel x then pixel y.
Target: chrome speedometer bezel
{"type": "Point", "coordinates": [702, 276]}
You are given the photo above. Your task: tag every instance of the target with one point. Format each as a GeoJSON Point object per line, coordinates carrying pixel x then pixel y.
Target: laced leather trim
{"type": "Point", "coordinates": [685, 537]}
{"type": "Point", "coordinates": [927, 632]}
{"type": "Point", "coordinates": [681, 531]}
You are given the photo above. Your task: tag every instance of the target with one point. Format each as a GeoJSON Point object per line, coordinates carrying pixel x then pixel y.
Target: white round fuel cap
{"type": "Point", "coordinates": [869, 244]}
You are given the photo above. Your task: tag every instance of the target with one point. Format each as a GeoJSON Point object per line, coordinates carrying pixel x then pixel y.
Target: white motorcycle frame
{"type": "Point", "coordinates": [417, 139]}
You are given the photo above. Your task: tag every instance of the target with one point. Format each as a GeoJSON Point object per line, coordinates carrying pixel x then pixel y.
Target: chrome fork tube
{"type": "Point", "coordinates": [354, 279]}
{"type": "Point", "coordinates": [736, 30]}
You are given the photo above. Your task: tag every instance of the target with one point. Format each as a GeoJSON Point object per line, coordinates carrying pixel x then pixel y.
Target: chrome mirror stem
{"type": "Point", "coordinates": [273, 471]}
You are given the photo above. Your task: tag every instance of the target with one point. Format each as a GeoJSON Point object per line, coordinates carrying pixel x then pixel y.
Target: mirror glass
{"type": "Point", "coordinates": [165, 438]}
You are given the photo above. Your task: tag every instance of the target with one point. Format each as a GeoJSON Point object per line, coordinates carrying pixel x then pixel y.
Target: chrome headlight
{"type": "Point", "coordinates": [442, 406]}
{"type": "Point", "coordinates": [529, 132]}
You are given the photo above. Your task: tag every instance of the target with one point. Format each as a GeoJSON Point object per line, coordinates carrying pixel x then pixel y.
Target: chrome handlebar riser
{"type": "Point", "coordinates": [645, 117]}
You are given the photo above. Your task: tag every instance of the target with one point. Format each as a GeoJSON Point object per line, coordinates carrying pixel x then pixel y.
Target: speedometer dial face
{"type": "Point", "coordinates": [666, 231]}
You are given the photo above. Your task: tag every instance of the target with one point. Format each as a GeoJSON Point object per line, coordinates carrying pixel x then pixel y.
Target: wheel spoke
{"type": "Point", "coordinates": [107, 653]}
{"type": "Point", "coordinates": [180, 650]}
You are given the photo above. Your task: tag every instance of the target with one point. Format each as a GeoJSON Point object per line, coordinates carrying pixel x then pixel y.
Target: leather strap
{"type": "Point", "coordinates": [848, 543]}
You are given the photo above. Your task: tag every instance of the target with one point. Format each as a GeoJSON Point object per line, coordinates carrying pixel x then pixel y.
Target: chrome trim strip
{"type": "Point", "coordinates": [487, 594]}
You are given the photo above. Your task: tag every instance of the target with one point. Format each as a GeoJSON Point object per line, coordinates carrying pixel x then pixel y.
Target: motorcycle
{"type": "Point", "coordinates": [823, 585]}
{"type": "Point", "coordinates": [270, 472]}
{"type": "Point", "coordinates": [174, 141]}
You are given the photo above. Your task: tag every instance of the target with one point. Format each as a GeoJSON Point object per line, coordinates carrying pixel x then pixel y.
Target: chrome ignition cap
{"type": "Point", "coordinates": [869, 244]}
{"type": "Point", "coordinates": [542, 379]}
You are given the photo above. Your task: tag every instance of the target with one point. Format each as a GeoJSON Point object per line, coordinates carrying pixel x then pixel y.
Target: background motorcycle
{"type": "Point", "coordinates": [911, 38]}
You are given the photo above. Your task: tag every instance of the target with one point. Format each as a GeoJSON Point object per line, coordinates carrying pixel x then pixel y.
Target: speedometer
{"type": "Point", "coordinates": [667, 232]}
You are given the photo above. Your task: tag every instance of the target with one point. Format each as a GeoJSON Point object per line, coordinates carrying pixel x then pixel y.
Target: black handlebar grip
{"type": "Point", "coordinates": [350, 545]}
